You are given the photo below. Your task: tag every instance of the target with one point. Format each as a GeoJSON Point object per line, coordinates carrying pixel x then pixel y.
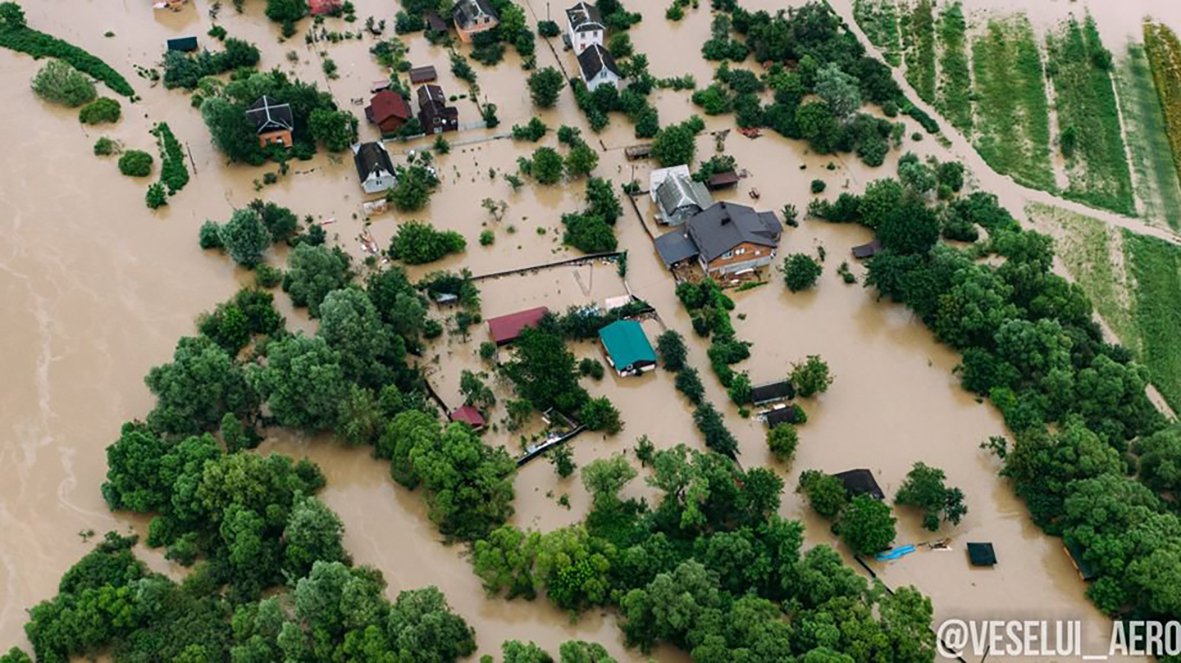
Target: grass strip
{"type": "Point", "coordinates": [920, 50]}
{"type": "Point", "coordinates": [1012, 113]}
{"type": "Point", "coordinates": [955, 78]}
{"type": "Point", "coordinates": [39, 45]}
{"type": "Point", "coordinates": [1097, 163]}
{"type": "Point", "coordinates": [1157, 186]}
{"type": "Point", "coordinates": [1156, 267]}
{"type": "Point", "coordinates": [879, 21]}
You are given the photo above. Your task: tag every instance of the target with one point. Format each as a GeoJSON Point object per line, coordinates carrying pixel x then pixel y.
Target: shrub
{"type": "Point", "coordinates": [59, 83]}
{"type": "Point", "coordinates": [671, 346]}
{"type": "Point", "coordinates": [818, 186]}
{"type": "Point", "coordinates": [688, 382]}
{"type": "Point", "coordinates": [548, 29]}
{"type": "Point", "coordinates": [100, 111]}
{"type": "Point", "coordinates": [811, 376]}
{"type": "Point", "coordinates": [105, 147]}
{"type": "Point", "coordinates": [782, 441]}
{"type": "Point", "coordinates": [591, 367]}
{"type": "Point", "coordinates": [416, 243]}
{"type": "Point", "coordinates": [826, 494]}
{"type": "Point", "coordinates": [600, 414]}
{"type": "Point", "coordinates": [800, 272]}
{"type": "Point", "coordinates": [156, 197]}
{"type": "Point", "coordinates": [210, 236]}
{"type": "Point", "coordinates": [19, 37]}
{"type": "Point", "coordinates": [266, 276]}
{"type": "Point", "coordinates": [135, 163]}
{"type": "Point", "coordinates": [487, 238]}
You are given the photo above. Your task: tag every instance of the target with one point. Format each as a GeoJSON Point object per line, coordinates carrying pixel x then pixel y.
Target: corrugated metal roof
{"type": "Point", "coordinates": [506, 328]}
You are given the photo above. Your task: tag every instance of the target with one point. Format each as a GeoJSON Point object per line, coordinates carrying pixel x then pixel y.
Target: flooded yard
{"type": "Point", "coordinates": [99, 289]}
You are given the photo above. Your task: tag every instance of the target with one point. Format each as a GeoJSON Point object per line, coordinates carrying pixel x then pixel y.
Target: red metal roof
{"type": "Point", "coordinates": [507, 328]}
{"type": "Point", "coordinates": [317, 7]}
{"type": "Point", "coordinates": [468, 415]}
{"type": "Point", "coordinates": [387, 104]}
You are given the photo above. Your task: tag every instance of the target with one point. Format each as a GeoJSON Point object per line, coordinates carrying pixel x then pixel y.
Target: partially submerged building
{"type": "Point", "coordinates": [729, 241]}
{"type": "Point", "coordinates": [507, 328]}
{"type": "Point", "coordinates": [473, 16]}
{"type": "Point", "coordinates": [627, 348]}
{"type": "Point", "coordinates": [374, 167]}
{"type": "Point", "coordinates": [273, 121]}
{"type": "Point", "coordinates": [771, 392]}
{"type": "Point", "coordinates": [325, 7]}
{"type": "Point", "coordinates": [423, 74]}
{"type": "Point", "coordinates": [677, 196]}
{"type": "Point", "coordinates": [584, 27]}
{"type": "Point", "coordinates": [468, 415]}
{"type": "Point", "coordinates": [434, 113]}
{"type": "Point", "coordinates": [598, 67]}
{"type": "Point", "coordinates": [869, 250]}
{"type": "Point", "coordinates": [389, 110]}
{"type": "Point", "coordinates": [860, 482]}
{"type": "Point", "coordinates": [182, 44]}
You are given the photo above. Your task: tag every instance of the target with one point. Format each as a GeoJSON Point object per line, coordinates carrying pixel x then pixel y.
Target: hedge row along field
{"type": "Point", "coordinates": [879, 21]}
{"type": "Point", "coordinates": [1090, 137]}
{"type": "Point", "coordinates": [919, 47]}
{"type": "Point", "coordinates": [1164, 55]}
{"type": "Point", "coordinates": [955, 77]}
{"type": "Point", "coordinates": [1156, 267]}
{"type": "Point", "coordinates": [1152, 158]}
{"type": "Point", "coordinates": [1013, 115]}
{"type": "Point", "coordinates": [17, 36]}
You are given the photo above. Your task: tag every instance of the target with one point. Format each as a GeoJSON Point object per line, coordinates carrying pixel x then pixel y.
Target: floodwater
{"type": "Point", "coordinates": [106, 287]}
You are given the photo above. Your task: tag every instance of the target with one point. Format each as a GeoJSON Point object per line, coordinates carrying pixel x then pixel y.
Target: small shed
{"type": "Point", "coordinates": [378, 86]}
{"type": "Point", "coordinates": [676, 247]}
{"type": "Point", "coordinates": [785, 414]}
{"type": "Point", "coordinates": [633, 152]}
{"type": "Point", "coordinates": [867, 250]}
{"type": "Point", "coordinates": [424, 74]}
{"type": "Point", "coordinates": [506, 328]}
{"type": "Point", "coordinates": [435, 24]}
{"type": "Point", "coordinates": [468, 415]}
{"type": "Point", "coordinates": [1081, 565]}
{"type": "Point", "coordinates": [627, 347]}
{"type": "Point", "coordinates": [770, 392]}
{"type": "Point", "coordinates": [722, 181]}
{"type": "Point", "coordinates": [182, 44]}
{"type": "Point", "coordinates": [861, 482]}
{"type": "Point", "coordinates": [981, 554]}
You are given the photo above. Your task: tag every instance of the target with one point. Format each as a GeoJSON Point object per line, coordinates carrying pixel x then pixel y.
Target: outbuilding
{"type": "Point", "coordinates": [627, 347]}
{"type": "Point", "coordinates": [389, 110]}
{"type": "Point", "coordinates": [771, 392]}
{"type": "Point", "coordinates": [423, 74]}
{"type": "Point", "coordinates": [861, 482]}
{"type": "Point", "coordinates": [506, 328]}
{"type": "Point", "coordinates": [468, 415]}
{"type": "Point", "coordinates": [182, 44]}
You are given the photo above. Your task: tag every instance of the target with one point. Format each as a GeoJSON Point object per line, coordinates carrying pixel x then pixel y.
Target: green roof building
{"type": "Point", "coordinates": [628, 350]}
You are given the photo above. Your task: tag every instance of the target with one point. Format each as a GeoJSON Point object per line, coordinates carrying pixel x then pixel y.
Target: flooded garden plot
{"type": "Point", "coordinates": [1157, 188]}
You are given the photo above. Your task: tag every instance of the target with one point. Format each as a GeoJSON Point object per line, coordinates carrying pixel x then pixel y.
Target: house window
{"type": "Point", "coordinates": [740, 251]}
{"type": "Point", "coordinates": [728, 254]}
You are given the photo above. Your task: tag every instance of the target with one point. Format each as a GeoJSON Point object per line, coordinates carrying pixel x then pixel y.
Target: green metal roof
{"type": "Point", "coordinates": [626, 343]}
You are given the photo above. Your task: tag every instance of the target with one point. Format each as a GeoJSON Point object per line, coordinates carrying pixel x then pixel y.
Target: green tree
{"type": "Point", "coordinates": [580, 161]}
{"type": "Point", "coordinates": [544, 371]}
{"type": "Point", "coordinates": [924, 489]}
{"type": "Point", "coordinates": [100, 111]}
{"type": "Point", "coordinates": [515, 651]}
{"type": "Point", "coordinates": [800, 271]}
{"type": "Point", "coordinates": [811, 376]}
{"type": "Point", "coordinates": [562, 458]}
{"type": "Point", "coordinates": [416, 243]}
{"type": "Point", "coordinates": [578, 651]}
{"type": "Point", "coordinates": [245, 237]}
{"type": "Point", "coordinates": [546, 165]}
{"type": "Point", "coordinates": [469, 485]}
{"type": "Point", "coordinates": [475, 392]}
{"type": "Point", "coordinates": [605, 477]}
{"type": "Point", "coordinates": [544, 86]}
{"type": "Point", "coordinates": [57, 82]}
{"type": "Point", "coordinates": [336, 129]}
{"type": "Point", "coordinates": [197, 388]}
{"type": "Point", "coordinates": [866, 525]}
{"type": "Point", "coordinates": [600, 414]}
{"type": "Point", "coordinates": [286, 11]}
{"type": "Point", "coordinates": [841, 91]}
{"type": "Point", "coordinates": [301, 382]}
{"type": "Point", "coordinates": [671, 346]}
{"type": "Point", "coordinates": [413, 188]}
{"type": "Point", "coordinates": [782, 441]}
{"type": "Point", "coordinates": [313, 533]}
{"type": "Point", "coordinates": [422, 626]}
{"type": "Point", "coordinates": [135, 163]}
{"type": "Point", "coordinates": [351, 326]}
{"type": "Point", "coordinates": [826, 494]}
{"type": "Point", "coordinates": [312, 273]}
{"type": "Point", "coordinates": [676, 144]}
{"type": "Point", "coordinates": [232, 133]}
{"type": "Point", "coordinates": [12, 17]}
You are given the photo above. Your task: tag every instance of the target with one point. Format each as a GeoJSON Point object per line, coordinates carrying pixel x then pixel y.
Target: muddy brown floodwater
{"type": "Point", "coordinates": [99, 289]}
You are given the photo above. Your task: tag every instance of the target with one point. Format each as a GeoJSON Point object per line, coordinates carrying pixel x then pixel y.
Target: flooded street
{"type": "Point", "coordinates": [100, 289]}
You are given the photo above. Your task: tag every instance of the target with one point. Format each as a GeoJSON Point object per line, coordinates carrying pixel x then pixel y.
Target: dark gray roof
{"type": "Point", "coordinates": [726, 225]}
{"type": "Point", "coordinates": [268, 115]}
{"type": "Point", "coordinates": [431, 95]}
{"type": "Point", "coordinates": [681, 194]}
{"type": "Point", "coordinates": [867, 250]}
{"type": "Point", "coordinates": [594, 60]}
{"type": "Point", "coordinates": [584, 17]}
{"type": "Point", "coordinates": [467, 11]}
{"type": "Point", "coordinates": [771, 391]}
{"type": "Point", "coordinates": [371, 158]}
{"type": "Point", "coordinates": [860, 482]}
{"type": "Point", "coordinates": [674, 247]}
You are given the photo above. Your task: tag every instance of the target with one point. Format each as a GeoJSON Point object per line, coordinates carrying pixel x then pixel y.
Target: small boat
{"type": "Point", "coordinates": [327, 222]}
{"type": "Point", "coordinates": [895, 553]}
{"type": "Point", "coordinates": [750, 132]}
{"type": "Point", "coordinates": [754, 193]}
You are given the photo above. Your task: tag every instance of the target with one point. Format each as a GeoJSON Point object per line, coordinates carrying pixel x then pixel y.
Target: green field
{"type": "Point", "coordinates": [878, 19]}
{"type": "Point", "coordinates": [954, 98]}
{"type": "Point", "coordinates": [1012, 113]}
{"type": "Point", "coordinates": [918, 43]}
{"type": "Point", "coordinates": [1156, 267]}
{"type": "Point", "coordinates": [1152, 158]}
{"type": "Point", "coordinates": [1096, 160]}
